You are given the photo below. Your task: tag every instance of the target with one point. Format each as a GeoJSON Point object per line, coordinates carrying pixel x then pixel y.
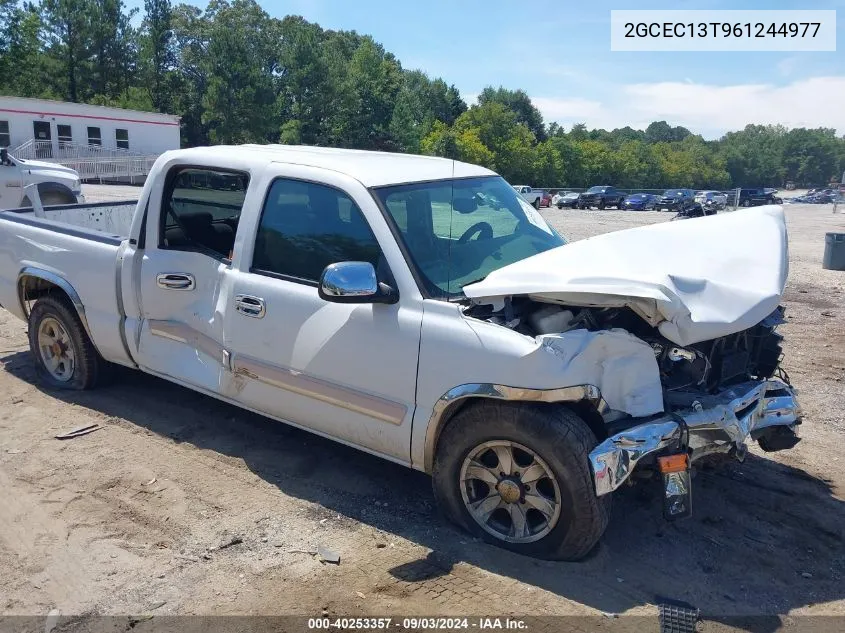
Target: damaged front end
{"type": "Point", "coordinates": [717, 395]}
{"type": "Point", "coordinates": [712, 397]}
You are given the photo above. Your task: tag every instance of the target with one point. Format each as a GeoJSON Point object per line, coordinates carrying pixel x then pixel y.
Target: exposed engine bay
{"type": "Point", "coordinates": [687, 373]}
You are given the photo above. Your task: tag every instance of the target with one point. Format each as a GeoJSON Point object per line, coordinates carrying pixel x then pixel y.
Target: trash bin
{"type": "Point", "coordinates": [834, 251]}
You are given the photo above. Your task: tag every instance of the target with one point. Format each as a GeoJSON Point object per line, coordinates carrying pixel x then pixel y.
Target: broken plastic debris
{"type": "Point", "coordinates": [327, 555]}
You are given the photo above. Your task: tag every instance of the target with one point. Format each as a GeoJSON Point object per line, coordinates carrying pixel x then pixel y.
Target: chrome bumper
{"type": "Point", "coordinates": [716, 424]}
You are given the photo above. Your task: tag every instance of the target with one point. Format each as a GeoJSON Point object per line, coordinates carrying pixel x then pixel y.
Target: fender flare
{"type": "Point", "coordinates": [61, 283]}
{"type": "Point", "coordinates": [449, 401]}
{"type": "Point", "coordinates": [54, 187]}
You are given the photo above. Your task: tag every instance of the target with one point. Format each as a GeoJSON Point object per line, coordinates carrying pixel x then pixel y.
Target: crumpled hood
{"type": "Point", "coordinates": [695, 279]}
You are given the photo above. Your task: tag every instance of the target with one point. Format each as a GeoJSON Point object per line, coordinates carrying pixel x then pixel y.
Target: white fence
{"type": "Point", "coordinates": [92, 162]}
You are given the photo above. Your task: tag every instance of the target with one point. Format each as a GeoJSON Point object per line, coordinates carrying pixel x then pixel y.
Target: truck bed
{"type": "Point", "coordinates": [113, 219]}
{"type": "Point", "coordinates": [78, 243]}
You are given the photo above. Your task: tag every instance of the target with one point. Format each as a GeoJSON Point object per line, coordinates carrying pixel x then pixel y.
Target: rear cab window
{"type": "Point", "coordinates": [201, 210]}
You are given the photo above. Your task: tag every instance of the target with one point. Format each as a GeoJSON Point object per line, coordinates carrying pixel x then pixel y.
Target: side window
{"type": "Point", "coordinates": [5, 138]}
{"type": "Point", "coordinates": [65, 136]}
{"type": "Point", "coordinates": [94, 137]}
{"type": "Point", "coordinates": [201, 210]}
{"type": "Point", "coordinates": [305, 227]}
{"type": "Point", "coordinates": [121, 138]}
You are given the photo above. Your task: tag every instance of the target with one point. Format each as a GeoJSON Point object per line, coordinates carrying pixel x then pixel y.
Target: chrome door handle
{"type": "Point", "coordinates": [250, 306]}
{"type": "Point", "coordinates": [176, 281]}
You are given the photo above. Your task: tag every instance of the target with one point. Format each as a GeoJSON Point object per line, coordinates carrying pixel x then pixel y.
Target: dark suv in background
{"type": "Point", "coordinates": [601, 196]}
{"type": "Point", "coordinates": [757, 196]}
{"type": "Point", "coordinates": [678, 200]}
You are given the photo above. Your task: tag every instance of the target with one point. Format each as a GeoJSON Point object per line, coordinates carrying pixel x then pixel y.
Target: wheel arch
{"type": "Point", "coordinates": [34, 282]}
{"type": "Point", "coordinates": [585, 400]}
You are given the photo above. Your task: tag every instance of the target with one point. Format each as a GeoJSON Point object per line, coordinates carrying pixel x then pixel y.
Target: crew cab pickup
{"type": "Point", "coordinates": [417, 308]}
{"type": "Point", "coordinates": [534, 197]}
{"type": "Point", "coordinates": [601, 197]}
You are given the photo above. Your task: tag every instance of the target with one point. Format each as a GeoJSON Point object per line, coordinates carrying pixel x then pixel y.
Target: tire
{"type": "Point", "coordinates": [560, 442]}
{"type": "Point", "coordinates": [559, 206]}
{"type": "Point", "coordinates": [601, 205]}
{"type": "Point", "coordinates": [745, 203]}
{"type": "Point", "coordinates": [84, 369]}
{"type": "Point", "coordinates": [537, 204]}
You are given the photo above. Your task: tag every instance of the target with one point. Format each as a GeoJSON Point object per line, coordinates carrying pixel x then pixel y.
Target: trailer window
{"type": "Point", "coordinates": [121, 138]}
{"type": "Point", "coordinates": [65, 136]}
{"type": "Point", "coordinates": [201, 210]}
{"type": "Point", "coordinates": [94, 137]}
{"type": "Point", "coordinates": [5, 139]}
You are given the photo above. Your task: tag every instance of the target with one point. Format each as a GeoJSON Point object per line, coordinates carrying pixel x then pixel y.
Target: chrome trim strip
{"type": "Point", "coordinates": [184, 333]}
{"type": "Point", "coordinates": [305, 385]}
{"type": "Point", "coordinates": [501, 392]}
{"type": "Point", "coordinates": [282, 377]}
{"type": "Point", "coordinates": [730, 418]}
{"type": "Point", "coordinates": [53, 278]}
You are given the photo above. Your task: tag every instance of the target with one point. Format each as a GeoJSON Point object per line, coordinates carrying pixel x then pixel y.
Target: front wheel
{"type": "Point", "coordinates": [518, 476]}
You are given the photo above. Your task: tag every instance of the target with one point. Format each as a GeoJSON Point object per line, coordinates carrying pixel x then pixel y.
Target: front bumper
{"type": "Point", "coordinates": [717, 424]}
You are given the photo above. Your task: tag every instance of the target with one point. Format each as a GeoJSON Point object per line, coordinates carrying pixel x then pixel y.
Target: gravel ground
{"type": "Point", "coordinates": [184, 505]}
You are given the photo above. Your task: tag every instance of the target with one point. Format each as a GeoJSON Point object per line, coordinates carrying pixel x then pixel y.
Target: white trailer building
{"type": "Point", "coordinates": [99, 142]}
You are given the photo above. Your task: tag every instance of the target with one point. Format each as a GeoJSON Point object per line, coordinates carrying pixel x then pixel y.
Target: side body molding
{"type": "Point", "coordinates": [448, 400]}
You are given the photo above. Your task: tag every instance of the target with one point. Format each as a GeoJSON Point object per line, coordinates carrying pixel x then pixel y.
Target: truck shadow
{"type": "Point", "coordinates": [766, 538]}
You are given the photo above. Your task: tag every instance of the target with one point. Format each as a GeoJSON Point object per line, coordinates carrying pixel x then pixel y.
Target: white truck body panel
{"type": "Point", "coordinates": [374, 376]}
{"type": "Point", "coordinates": [690, 294]}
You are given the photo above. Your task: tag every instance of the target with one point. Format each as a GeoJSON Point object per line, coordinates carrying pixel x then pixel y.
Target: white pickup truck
{"type": "Point", "coordinates": [56, 184]}
{"type": "Point", "coordinates": [418, 309]}
{"type": "Point", "coordinates": [532, 196]}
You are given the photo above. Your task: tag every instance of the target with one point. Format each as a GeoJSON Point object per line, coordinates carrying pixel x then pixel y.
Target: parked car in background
{"type": "Point", "coordinates": [546, 200]}
{"type": "Point", "coordinates": [678, 200]}
{"type": "Point", "coordinates": [532, 196]}
{"type": "Point", "coordinates": [640, 201]}
{"type": "Point", "coordinates": [601, 197]}
{"type": "Point", "coordinates": [757, 196]}
{"type": "Point", "coordinates": [569, 199]}
{"type": "Point", "coordinates": [712, 200]}
{"type": "Point", "coordinates": [56, 184]}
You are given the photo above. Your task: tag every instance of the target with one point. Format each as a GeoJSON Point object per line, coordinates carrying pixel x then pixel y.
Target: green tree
{"type": "Point", "coordinates": [67, 30]}
{"type": "Point", "coordinates": [158, 57]}
{"type": "Point", "coordinates": [518, 102]}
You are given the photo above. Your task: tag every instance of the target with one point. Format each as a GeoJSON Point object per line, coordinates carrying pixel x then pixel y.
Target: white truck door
{"type": "Point", "coordinates": [346, 371]}
{"type": "Point", "coordinates": [11, 185]}
{"type": "Point", "coordinates": [183, 274]}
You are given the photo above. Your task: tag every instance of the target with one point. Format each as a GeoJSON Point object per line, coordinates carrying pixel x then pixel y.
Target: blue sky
{"type": "Point", "coordinates": [558, 51]}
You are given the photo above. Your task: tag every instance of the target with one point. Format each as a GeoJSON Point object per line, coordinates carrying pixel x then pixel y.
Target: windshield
{"type": "Point", "coordinates": [674, 193]}
{"type": "Point", "coordinates": [457, 232]}
{"type": "Point", "coordinates": [595, 190]}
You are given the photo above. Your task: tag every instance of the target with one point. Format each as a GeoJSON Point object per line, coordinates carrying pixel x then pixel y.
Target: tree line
{"type": "Point", "coordinates": [235, 75]}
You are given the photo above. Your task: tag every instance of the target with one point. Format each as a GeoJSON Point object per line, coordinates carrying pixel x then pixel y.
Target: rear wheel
{"type": "Point", "coordinates": [518, 476]}
{"type": "Point", "coordinates": [537, 203]}
{"type": "Point", "coordinates": [65, 358]}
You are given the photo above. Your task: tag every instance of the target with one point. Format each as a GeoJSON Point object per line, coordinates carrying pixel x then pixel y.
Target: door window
{"type": "Point", "coordinates": [94, 137]}
{"type": "Point", "coordinates": [305, 227]}
{"type": "Point", "coordinates": [5, 138]}
{"type": "Point", "coordinates": [201, 210]}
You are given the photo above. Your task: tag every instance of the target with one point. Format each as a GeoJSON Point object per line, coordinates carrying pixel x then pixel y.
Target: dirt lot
{"type": "Point", "coordinates": [183, 505]}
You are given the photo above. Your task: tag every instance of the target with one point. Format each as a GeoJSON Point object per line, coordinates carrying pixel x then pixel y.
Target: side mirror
{"type": "Point", "coordinates": [354, 282]}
